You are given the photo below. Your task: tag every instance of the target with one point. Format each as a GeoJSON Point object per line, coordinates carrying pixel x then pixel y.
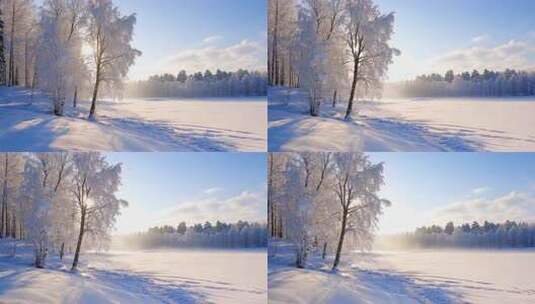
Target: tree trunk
{"type": "Point", "coordinates": [75, 99]}
{"type": "Point", "coordinates": [335, 96]}
{"type": "Point", "coordinates": [271, 211]}
{"type": "Point", "coordinates": [4, 198]}
{"type": "Point", "coordinates": [40, 254]}
{"type": "Point", "coordinates": [80, 238]}
{"type": "Point", "coordinates": [34, 84]}
{"type": "Point", "coordinates": [62, 251]}
{"type": "Point", "coordinates": [26, 64]}
{"type": "Point", "coordinates": [12, 48]}
{"type": "Point", "coordinates": [274, 80]}
{"type": "Point", "coordinates": [95, 95]}
{"type": "Point", "coordinates": [353, 90]}
{"type": "Point", "coordinates": [324, 252]}
{"type": "Point", "coordinates": [340, 240]}
{"type": "Point", "coordinates": [301, 255]}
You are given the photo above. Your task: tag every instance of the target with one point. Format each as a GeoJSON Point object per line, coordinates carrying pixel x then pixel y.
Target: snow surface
{"type": "Point", "coordinates": [133, 125]}
{"type": "Point", "coordinates": [415, 125]}
{"type": "Point", "coordinates": [160, 276]}
{"type": "Point", "coordinates": [447, 276]}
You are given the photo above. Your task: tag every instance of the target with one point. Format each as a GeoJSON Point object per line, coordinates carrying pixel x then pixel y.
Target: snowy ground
{"type": "Point", "coordinates": [462, 276]}
{"type": "Point", "coordinates": [173, 276]}
{"type": "Point", "coordinates": [134, 125]}
{"type": "Point", "coordinates": [416, 125]}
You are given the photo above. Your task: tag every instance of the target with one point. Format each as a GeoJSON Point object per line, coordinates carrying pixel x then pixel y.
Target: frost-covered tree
{"type": "Point", "coordinates": [18, 16]}
{"type": "Point", "coordinates": [281, 30]}
{"type": "Point", "coordinates": [325, 200]}
{"type": "Point", "coordinates": [2, 54]}
{"type": "Point", "coordinates": [44, 198]}
{"type": "Point", "coordinates": [60, 60]}
{"type": "Point", "coordinates": [94, 185]}
{"type": "Point", "coordinates": [110, 36]}
{"type": "Point", "coordinates": [367, 34]}
{"type": "Point", "coordinates": [335, 49]}
{"type": "Point", "coordinates": [10, 167]}
{"type": "Point", "coordinates": [42, 201]}
{"type": "Point", "coordinates": [357, 182]}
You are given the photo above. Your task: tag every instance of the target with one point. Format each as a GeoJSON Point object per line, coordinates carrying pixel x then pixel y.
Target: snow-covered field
{"type": "Point", "coordinates": [447, 276]}
{"type": "Point", "coordinates": [159, 276]}
{"type": "Point", "coordinates": [136, 125]}
{"type": "Point", "coordinates": [450, 124]}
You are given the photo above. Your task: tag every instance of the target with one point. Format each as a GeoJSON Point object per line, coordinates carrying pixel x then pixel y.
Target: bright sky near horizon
{"type": "Point", "coordinates": [197, 35]}
{"type": "Point", "coordinates": [434, 188]}
{"type": "Point", "coordinates": [167, 188]}
{"type": "Point", "coordinates": [435, 36]}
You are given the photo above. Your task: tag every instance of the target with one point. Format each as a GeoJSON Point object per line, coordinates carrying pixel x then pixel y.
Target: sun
{"type": "Point", "coordinates": [87, 49]}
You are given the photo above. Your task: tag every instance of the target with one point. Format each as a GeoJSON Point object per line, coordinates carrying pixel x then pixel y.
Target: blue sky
{"type": "Point", "coordinates": [428, 188]}
{"type": "Point", "coordinates": [461, 34]}
{"type": "Point", "coordinates": [166, 188]}
{"type": "Point", "coordinates": [172, 34]}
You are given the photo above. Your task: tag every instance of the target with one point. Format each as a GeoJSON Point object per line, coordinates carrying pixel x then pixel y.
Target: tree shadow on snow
{"type": "Point", "coordinates": [392, 283]}
{"type": "Point", "coordinates": [177, 137]}
{"type": "Point", "coordinates": [141, 283]}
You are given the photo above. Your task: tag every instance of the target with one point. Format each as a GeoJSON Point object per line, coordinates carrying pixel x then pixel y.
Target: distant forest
{"type": "Point", "coordinates": [201, 84]}
{"type": "Point", "coordinates": [477, 84]}
{"type": "Point", "coordinates": [241, 234]}
{"type": "Point", "coordinates": [510, 234]}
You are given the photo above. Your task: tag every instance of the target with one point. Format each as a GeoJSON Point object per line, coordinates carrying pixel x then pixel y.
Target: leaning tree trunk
{"type": "Point", "coordinates": [75, 99]}
{"type": "Point", "coordinates": [335, 96]}
{"type": "Point", "coordinates": [94, 99]}
{"type": "Point", "coordinates": [341, 240]}
{"type": "Point", "coordinates": [62, 251]}
{"type": "Point", "coordinates": [80, 238]}
{"type": "Point", "coordinates": [353, 90]}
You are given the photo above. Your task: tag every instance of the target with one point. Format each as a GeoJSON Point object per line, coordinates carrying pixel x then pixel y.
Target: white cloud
{"type": "Point", "coordinates": [212, 39]}
{"type": "Point", "coordinates": [245, 55]}
{"type": "Point", "coordinates": [213, 190]}
{"type": "Point", "coordinates": [514, 54]}
{"type": "Point", "coordinates": [481, 39]}
{"type": "Point", "coordinates": [244, 206]}
{"type": "Point", "coordinates": [480, 190]}
{"type": "Point", "coordinates": [517, 206]}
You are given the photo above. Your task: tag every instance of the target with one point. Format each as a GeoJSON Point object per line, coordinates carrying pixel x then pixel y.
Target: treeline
{"type": "Point", "coordinates": [41, 48]}
{"type": "Point", "coordinates": [58, 202]}
{"type": "Point", "coordinates": [510, 234]}
{"type": "Point", "coordinates": [242, 234]}
{"type": "Point", "coordinates": [477, 84]}
{"type": "Point", "coordinates": [207, 84]}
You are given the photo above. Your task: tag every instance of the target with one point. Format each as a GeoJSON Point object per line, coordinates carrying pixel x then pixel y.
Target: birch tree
{"type": "Point", "coordinates": [368, 33]}
{"type": "Point", "coordinates": [110, 36]}
{"type": "Point", "coordinates": [2, 50]}
{"type": "Point", "coordinates": [357, 182]}
{"type": "Point", "coordinates": [61, 62]}
{"type": "Point", "coordinates": [95, 183]}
